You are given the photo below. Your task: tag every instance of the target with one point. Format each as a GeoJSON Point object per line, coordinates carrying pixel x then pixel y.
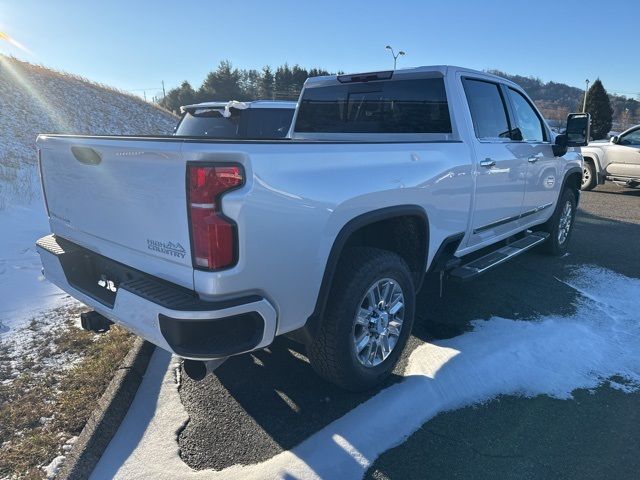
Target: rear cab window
{"type": "Point", "coordinates": [416, 107]}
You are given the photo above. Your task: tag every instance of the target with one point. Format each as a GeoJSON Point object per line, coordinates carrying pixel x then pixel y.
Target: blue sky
{"type": "Point", "coordinates": [136, 44]}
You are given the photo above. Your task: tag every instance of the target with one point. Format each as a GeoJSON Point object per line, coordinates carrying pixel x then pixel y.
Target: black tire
{"type": "Point", "coordinates": [557, 244]}
{"type": "Point", "coordinates": [589, 176]}
{"type": "Point", "coordinates": [332, 351]}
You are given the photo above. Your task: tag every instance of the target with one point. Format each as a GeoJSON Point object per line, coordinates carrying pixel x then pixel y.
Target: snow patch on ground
{"type": "Point", "coordinates": [38, 100]}
{"type": "Point", "coordinates": [33, 344]}
{"type": "Point", "coordinates": [53, 468]}
{"type": "Point", "coordinates": [23, 290]}
{"type": "Point", "coordinates": [551, 355]}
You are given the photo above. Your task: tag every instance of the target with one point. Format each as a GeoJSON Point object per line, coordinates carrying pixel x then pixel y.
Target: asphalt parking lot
{"type": "Point", "coordinates": [261, 404]}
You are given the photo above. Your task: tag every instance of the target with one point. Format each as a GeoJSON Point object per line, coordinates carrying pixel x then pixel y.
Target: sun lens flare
{"type": "Point", "coordinates": [12, 68]}
{"type": "Point", "coordinates": [13, 42]}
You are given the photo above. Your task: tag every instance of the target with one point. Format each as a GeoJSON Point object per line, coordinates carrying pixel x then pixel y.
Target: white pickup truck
{"type": "Point", "coordinates": [616, 160]}
{"type": "Point", "coordinates": [211, 248]}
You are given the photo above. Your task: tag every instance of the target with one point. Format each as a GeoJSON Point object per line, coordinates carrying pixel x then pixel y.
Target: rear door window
{"type": "Point", "coordinates": [488, 110]}
{"type": "Point", "coordinates": [392, 106]}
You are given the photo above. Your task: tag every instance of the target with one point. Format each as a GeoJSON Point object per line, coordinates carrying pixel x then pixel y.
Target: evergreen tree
{"type": "Point", "coordinates": [223, 84]}
{"type": "Point", "coordinates": [298, 76]}
{"type": "Point", "coordinates": [283, 81]}
{"type": "Point", "coordinates": [250, 84]}
{"type": "Point", "coordinates": [318, 72]}
{"type": "Point", "coordinates": [186, 95]}
{"type": "Point", "coordinates": [599, 106]}
{"type": "Point", "coordinates": [176, 97]}
{"type": "Point", "coordinates": [267, 83]}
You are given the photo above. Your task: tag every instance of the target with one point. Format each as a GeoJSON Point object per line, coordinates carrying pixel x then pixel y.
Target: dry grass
{"type": "Point", "coordinates": [79, 78]}
{"type": "Point", "coordinates": [45, 404]}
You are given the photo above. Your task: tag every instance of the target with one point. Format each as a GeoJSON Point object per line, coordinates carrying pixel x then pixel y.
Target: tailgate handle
{"type": "Point", "coordinates": [86, 155]}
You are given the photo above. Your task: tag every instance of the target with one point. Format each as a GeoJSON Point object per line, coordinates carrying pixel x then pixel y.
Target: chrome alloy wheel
{"type": "Point", "coordinates": [378, 322]}
{"type": "Point", "coordinates": [565, 223]}
{"type": "Point", "coordinates": [586, 176]}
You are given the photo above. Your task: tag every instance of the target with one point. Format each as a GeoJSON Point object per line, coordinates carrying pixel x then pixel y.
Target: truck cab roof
{"type": "Point", "coordinates": [401, 74]}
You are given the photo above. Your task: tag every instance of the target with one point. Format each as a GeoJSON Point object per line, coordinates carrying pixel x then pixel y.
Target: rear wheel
{"type": "Point", "coordinates": [560, 225]}
{"type": "Point", "coordinates": [589, 177]}
{"type": "Point", "coordinates": [368, 320]}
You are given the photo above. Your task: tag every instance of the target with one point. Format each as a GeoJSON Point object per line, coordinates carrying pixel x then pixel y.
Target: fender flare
{"type": "Point", "coordinates": [569, 173]}
{"type": "Point", "coordinates": [595, 158]}
{"type": "Point", "coordinates": [313, 322]}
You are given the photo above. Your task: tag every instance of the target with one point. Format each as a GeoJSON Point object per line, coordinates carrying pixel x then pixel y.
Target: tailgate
{"type": "Point", "coordinates": [123, 198]}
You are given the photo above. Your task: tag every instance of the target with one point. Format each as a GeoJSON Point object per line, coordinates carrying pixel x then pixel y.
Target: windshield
{"type": "Point", "coordinates": [250, 123]}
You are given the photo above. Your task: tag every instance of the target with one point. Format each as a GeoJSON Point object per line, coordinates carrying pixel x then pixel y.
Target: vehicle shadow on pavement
{"type": "Point", "coordinates": [259, 404]}
{"type": "Point", "coordinates": [632, 192]}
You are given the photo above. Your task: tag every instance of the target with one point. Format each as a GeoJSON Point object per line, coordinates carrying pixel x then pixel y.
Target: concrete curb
{"type": "Point", "coordinates": [109, 412]}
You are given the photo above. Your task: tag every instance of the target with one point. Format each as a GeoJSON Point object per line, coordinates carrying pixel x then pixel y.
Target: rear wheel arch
{"type": "Point", "coordinates": [405, 231]}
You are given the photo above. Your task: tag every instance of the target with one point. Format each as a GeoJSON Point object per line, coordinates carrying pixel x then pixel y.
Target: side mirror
{"type": "Point", "coordinates": [615, 139]}
{"type": "Point", "coordinates": [560, 145]}
{"type": "Point", "coordinates": [578, 129]}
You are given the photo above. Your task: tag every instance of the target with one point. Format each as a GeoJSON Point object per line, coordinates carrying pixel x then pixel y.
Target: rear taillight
{"type": "Point", "coordinates": [213, 236]}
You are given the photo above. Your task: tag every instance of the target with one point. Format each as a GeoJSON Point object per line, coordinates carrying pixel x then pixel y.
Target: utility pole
{"type": "Point", "coordinates": [164, 94]}
{"type": "Point", "coordinates": [584, 102]}
{"type": "Point", "coordinates": [394, 54]}
{"type": "Point", "coordinates": [626, 119]}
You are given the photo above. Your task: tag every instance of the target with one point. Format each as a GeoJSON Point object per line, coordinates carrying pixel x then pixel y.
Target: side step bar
{"type": "Point", "coordinates": [482, 264]}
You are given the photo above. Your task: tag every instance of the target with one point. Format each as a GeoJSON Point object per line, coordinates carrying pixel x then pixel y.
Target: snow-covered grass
{"type": "Point", "coordinates": [51, 373]}
{"type": "Point", "coordinates": [38, 100]}
{"type": "Point", "coordinates": [551, 355]}
{"type": "Point", "coordinates": [46, 363]}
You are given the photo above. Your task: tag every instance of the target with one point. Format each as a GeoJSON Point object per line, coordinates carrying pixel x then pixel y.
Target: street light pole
{"type": "Point", "coordinates": [394, 54]}
{"type": "Point", "coordinates": [584, 102]}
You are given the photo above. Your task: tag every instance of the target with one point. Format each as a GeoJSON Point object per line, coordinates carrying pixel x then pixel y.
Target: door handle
{"type": "Point", "coordinates": [532, 159]}
{"type": "Point", "coordinates": [488, 163]}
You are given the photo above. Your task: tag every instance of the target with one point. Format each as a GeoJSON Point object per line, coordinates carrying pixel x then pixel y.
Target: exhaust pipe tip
{"type": "Point", "coordinates": [198, 369]}
{"type": "Point", "coordinates": [195, 369]}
